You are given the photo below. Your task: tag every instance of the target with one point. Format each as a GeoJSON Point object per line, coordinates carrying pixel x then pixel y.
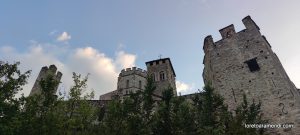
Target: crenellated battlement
{"type": "Point", "coordinates": [244, 63]}
{"type": "Point", "coordinates": [228, 32]}
{"type": "Point", "coordinates": [51, 70]}
{"type": "Point", "coordinates": [133, 70]}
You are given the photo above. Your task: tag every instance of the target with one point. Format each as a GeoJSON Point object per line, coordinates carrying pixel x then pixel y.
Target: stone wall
{"type": "Point", "coordinates": [244, 62]}
{"type": "Point", "coordinates": [155, 68]}
{"type": "Point", "coordinates": [131, 80]}
{"type": "Point", "coordinates": [45, 71]}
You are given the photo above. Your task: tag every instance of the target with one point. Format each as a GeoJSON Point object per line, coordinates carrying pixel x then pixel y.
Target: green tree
{"type": "Point", "coordinates": [132, 114]}
{"type": "Point", "coordinates": [210, 112]}
{"type": "Point", "coordinates": [11, 82]}
{"type": "Point", "coordinates": [162, 124]}
{"type": "Point", "coordinates": [113, 122]}
{"type": "Point", "coordinates": [78, 114]}
{"type": "Point", "coordinates": [38, 114]}
{"type": "Point", "coordinates": [183, 120]}
{"type": "Point", "coordinates": [246, 114]}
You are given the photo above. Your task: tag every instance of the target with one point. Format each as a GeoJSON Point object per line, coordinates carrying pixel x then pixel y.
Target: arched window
{"type": "Point", "coordinates": [127, 84]}
{"type": "Point", "coordinates": [140, 84]}
{"type": "Point", "coordinates": [162, 75]}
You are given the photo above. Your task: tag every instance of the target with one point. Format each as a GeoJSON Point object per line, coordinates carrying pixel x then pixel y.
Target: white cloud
{"type": "Point", "coordinates": [125, 60]}
{"type": "Point", "coordinates": [103, 70]}
{"type": "Point", "coordinates": [53, 32]}
{"type": "Point", "coordinates": [64, 37]}
{"type": "Point", "coordinates": [184, 88]}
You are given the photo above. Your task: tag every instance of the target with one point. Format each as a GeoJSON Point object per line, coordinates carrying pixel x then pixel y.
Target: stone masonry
{"type": "Point", "coordinates": [164, 75]}
{"type": "Point", "coordinates": [45, 71]}
{"type": "Point", "coordinates": [134, 79]}
{"type": "Point", "coordinates": [244, 63]}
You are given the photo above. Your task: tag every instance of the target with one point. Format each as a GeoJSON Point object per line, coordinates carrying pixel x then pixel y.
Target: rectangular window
{"type": "Point", "coordinates": [140, 84]}
{"type": "Point", "coordinates": [162, 75]}
{"type": "Point", "coordinates": [253, 65]}
{"type": "Point", "coordinates": [127, 84]}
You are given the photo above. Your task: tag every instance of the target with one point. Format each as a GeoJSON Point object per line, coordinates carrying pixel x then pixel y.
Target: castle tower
{"type": "Point", "coordinates": [243, 62]}
{"type": "Point", "coordinates": [163, 73]}
{"type": "Point", "coordinates": [129, 80]}
{"type": "Point", "coordinates": [45, 71]}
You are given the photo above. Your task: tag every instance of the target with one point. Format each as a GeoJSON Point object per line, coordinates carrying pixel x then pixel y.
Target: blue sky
{"type": "Point", "coordinates": [102, 37]}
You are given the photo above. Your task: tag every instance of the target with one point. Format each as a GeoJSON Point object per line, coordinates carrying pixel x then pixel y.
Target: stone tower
{"type": "Point", "coordinates": [163, 73]}
{"type": "Point", "coordinates": [243, 62]}
{"type": "Point", "coordinates": [131, 80]}
{"type": "Point", "coordinates": [45, 71]}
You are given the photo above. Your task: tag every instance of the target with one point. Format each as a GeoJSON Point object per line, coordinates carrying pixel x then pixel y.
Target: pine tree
{"type": "Point", "coordinates": [210, 112]}
{"type": "Point", "coordinates": [246, 114]}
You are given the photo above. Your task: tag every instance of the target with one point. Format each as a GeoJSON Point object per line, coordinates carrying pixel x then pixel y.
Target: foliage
{"type": "Point", "coordinates": [11, 82]}
{"type": "Point", "coordinates": [141, 112]}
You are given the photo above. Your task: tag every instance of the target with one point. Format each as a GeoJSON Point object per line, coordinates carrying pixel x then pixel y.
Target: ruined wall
{"type": "Point", "coordinates": [155, 68]}
{"type": "Point", "coordinates": [45, 71]}
{"type": "Point", "coordinates": [244, 62]}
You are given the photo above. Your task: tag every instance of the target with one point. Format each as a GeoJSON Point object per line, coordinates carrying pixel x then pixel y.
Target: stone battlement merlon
{"type": "Point", "coordinates": [228, 32]}
{"type": "Point", "coordinates": [133, 70]}
{"type": "Point", "coordinates": [51, 70]}
{"type": "Point", "coordinates": [249, 23]}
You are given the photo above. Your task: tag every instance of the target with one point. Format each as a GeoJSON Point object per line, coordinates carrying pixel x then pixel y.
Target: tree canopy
{"type": "Point", "coordinates": [138, 113]}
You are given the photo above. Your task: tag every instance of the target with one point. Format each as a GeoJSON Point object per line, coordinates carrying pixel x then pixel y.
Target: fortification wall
{"type": "Point", "coordinates": [243, 62]}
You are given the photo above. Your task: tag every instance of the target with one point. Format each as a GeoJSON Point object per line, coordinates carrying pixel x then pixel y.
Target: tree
{"type": "Point", "coordinates": [11, 82]}
{"type": "Point", "coordinates": [210, 111]}
{"type": "Point", "coordinates": [78, 114]}
{"type": "Point", "coordinates": [246, 114]}
{"type": "Point", "coordinates": [162, 120]}
{"type": "Point", "coordinates": [183, 118]}
{"type": "Point", "coordinates": [39, 113]}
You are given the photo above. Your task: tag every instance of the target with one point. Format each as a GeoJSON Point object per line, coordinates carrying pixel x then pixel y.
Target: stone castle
{"type": "Point", "coordinates": [133, 79]}
{"type": "Point", "coordinates": [240, 63]}
{"type": "Point", "coordinates": [244, 63]}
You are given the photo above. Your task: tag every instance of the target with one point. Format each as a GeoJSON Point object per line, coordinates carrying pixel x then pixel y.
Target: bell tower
{"type": "Point", "coordinates": [163, 74]}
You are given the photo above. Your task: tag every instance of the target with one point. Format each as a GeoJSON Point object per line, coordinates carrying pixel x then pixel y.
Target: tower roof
{"type": "Point", "coordinates": [164, 59]}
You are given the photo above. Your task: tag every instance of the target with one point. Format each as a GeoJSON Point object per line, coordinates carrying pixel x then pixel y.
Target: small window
{"type": "Point", "coordinates": [162, 75]}
{"type": "Point", "coordinates": [253, 65]}
{"type": "Point", "coordinates": [127, 84]}
{"type": "Point", "coordinates": [153, 76]}
{"type": "Point", "coordinates": [140, 84]}
{"type": "Point", "coordinates": [228, 34]}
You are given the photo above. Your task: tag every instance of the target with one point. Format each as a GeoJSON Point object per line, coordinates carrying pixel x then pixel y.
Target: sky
{"type": "Point", "coordinates": [102, 37]}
